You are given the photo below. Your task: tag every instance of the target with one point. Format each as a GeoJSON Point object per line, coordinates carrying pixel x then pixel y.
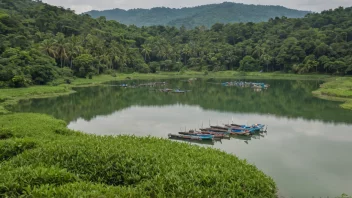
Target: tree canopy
{"type": "Point", "coordinates": [207, 15]}
{"type": "Point", "coordinates": [40, 43]}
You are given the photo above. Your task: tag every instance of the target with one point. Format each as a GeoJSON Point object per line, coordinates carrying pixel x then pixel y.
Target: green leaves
{"type": "Point", "coordinates": [11, 148]}
{"type": "Point", "coordinates": [83, 165]}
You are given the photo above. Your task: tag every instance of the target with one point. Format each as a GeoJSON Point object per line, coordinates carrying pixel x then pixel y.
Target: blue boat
{"type": "Point", "coordinates": [255, 127]}
{"type": "Point", "coordinates": [249, 130]}
{"type": "Point", "coordinates": [205, 137]}
{"type": "Point", "coordinates": [178, 91]}
{"type": "Point", "coordinates": [193, 137]}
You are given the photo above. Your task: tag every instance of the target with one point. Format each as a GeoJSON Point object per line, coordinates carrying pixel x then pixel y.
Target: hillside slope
{"type": "Point", "coordinates": [206, 15]}
{"type": "Point", "coordinates": [41, 44]}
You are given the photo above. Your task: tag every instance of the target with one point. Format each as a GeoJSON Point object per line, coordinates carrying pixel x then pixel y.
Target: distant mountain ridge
{"type": "Point", "coordinates": [206, 15]}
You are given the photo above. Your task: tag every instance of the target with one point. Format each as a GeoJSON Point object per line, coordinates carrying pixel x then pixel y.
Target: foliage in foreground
{"type": "Point", "coordinates": [65, 163]}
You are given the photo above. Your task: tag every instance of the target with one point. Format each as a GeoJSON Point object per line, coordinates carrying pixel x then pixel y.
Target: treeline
{"type": "Point", "coordinates": [204, 15]}
{"type": "Point", "coordinates": [40, 43]}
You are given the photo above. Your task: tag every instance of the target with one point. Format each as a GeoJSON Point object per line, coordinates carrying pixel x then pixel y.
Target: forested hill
{"type": "Point", "coordinates": [40, 43]}
{"type": "Point", "coordinates": [205, 15]}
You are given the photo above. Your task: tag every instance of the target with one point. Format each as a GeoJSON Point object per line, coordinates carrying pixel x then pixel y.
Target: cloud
{"type": "Point", "coordinates": [86, 5]}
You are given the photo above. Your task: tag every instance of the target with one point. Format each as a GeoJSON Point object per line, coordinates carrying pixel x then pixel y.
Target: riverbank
{"type": "Point", "coordinates": [337, 89]}
{"type": "Point", "coordinates": [40, 157]}
{"type": "Point", "coordinates": [10, 97]}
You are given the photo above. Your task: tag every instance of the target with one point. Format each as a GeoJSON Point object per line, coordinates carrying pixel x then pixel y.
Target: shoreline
{"type": "Point", "coordinates": [336, 89]}
{"type": "Point", "coordinates": [11, 96]}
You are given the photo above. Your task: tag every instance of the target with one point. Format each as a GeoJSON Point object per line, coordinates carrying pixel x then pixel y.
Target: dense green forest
{"type": "Point", "coordinates": [205, 15]}
{"type": "Point", "coordinates": [40, 43]}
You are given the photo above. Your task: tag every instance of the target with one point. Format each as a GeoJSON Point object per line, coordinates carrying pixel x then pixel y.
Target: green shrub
{"type": "Point", "coordinates": [18, 81]}
{"type": "Point", "coordinates": [11, 148]}
{"type": "Point", "coordinates": [83, 189]}
{"type": "Point", "coordinates": [5, 133]}
{"type": "Point", "coordinates": [183, 71]}
{"type": "Point", "coordinates": [68, 81]}
{"type": "Point", "coordinates": [31, 125]}
{"type": "Point", "coordinates": [125, 166]}
{"type": "Point", "coordinates": [14, 182]}
{"type": "Point", "coordinates": [90, 75]}
{"type": "Point", "coordinates": [63, 131]}
{"type": "Point", "coordinates": [42, 74]}
{"type": "Point", "coordinates": [156, 166]}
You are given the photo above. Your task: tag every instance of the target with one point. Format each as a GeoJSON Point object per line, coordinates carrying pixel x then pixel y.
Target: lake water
{"type": "Point", "coordinates": [306, 149]}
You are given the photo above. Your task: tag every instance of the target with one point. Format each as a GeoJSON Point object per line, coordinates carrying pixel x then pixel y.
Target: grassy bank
{"type": "Point", "coordinates": [337, 89]}
{"type": "Point", "coordinates": [192, 74]}
{"type": "Point", "coordinates": [10, 97]}
{"type": "Point", "coordinates": [40, 157]}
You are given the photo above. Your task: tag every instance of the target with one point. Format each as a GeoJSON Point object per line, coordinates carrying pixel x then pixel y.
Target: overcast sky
{"type": "Point", "coordinates": [86, 5]}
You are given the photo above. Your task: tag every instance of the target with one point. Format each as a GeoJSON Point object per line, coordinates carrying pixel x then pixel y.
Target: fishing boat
{"type": "Point", "coordinates": [165, 90]}
{"type": "Point", "coordinates": [229, 132]}
{"type": "Point", "coordinates": [246, 84]}
{"type": "Point", "coordinates": [214, 130]}
{"type": "Point", "coordinates": [235, 129]}
{"type": "Point", "coordinates": [220, 127]}
{"type": "Point", "coordinates": [178, 91]}
{"type": "Point", "coordinates": [201, 134]}
{"type": "Point", "coordinates": [193, 137]}
{"type": "Point", "coordinates": [240, 132]}
{"type": "Point", "coordinates": [214, 133]}
{"type": "Point", "coordinates": [254, 127]}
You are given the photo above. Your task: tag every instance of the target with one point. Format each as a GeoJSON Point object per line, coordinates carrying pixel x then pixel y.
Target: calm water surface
{"type": "Point", "coordinates": [306, 149]}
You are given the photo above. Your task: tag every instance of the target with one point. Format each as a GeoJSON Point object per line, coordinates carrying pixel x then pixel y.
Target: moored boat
{"type": "Point", "coordinates": [193, 141]}
{"type": "Point", "coordinates": [201, 134]}
{"type": "Point", "coordinates": [165, 90]}
{"type": "Point", "coordinates": [194, 137]}
{"type": "Point", "coordinates": [214, 130]}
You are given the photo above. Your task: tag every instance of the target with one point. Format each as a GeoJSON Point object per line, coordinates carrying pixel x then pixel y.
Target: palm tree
{"type": "Point", "coordinates": [146, 50]}
{"type": "Point", "coordinates": [73, 48]}
{"type": "Point", "coordinates": [259, 50]}
{"type": "Point", "coordinates": [186, 51]}
{"type": "Point", "coordinates": [48, 46]}
{"type": "Point", "coordinates": [61, 48]}
{"type": "Point", "coordinates": [160, 50]}
{"type": "Point", "coordinates": [267, 59]}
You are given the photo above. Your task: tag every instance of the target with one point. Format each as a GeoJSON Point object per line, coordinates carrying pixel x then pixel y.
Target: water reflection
{"type": "Point", "coordinates": [305, 158]}
{"type": "Point", "coordinates": [290, 99]}
{"type": "Point", "coordinates": [306, 148]}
